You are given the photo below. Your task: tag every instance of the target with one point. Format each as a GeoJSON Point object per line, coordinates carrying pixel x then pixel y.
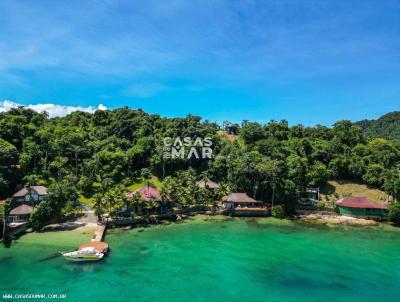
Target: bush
{"type": "Point", "coordinates": [42, 214]}
{"type": "Point", "coordinates": [278, 211]}
{"type": "Point", "coordinates": [394, 212]}
{"type": "Point", "coordinates": [320, 205]}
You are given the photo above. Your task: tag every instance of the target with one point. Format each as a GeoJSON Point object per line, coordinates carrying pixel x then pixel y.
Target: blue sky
{"type": "Point", "coordinates": [305, 61]}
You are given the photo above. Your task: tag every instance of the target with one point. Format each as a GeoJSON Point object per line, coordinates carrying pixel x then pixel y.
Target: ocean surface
{"type": "Point", "coordinates": [213, 260]}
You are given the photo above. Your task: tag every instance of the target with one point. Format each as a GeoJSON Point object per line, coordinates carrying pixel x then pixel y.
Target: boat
{"type": "Point", "coordinates": [85, 254]}
{"type": "Point", "coordinates": [91, 251]}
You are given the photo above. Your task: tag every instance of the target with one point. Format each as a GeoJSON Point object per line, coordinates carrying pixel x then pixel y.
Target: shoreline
{"type": "Point", "coordinates": [309, 219]}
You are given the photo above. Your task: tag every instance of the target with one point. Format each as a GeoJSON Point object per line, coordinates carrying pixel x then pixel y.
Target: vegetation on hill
{"type": "Point", "coordinates": [102, 154]}
{"type": "Point", "coordinates": [387, 126]}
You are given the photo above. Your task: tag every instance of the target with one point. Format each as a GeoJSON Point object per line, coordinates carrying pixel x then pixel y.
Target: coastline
{"type": "Point", "coordinates": [67, 232]}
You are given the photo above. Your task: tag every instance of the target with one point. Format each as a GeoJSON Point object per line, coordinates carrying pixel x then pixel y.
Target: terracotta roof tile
{"type": "Point", "coordinates": [360, 202]}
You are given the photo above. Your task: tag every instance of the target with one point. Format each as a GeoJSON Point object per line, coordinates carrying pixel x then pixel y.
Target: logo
{"type": "Point", "coordinates": [187, 148]}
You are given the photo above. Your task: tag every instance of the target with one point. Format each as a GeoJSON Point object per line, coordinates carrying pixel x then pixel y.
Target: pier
{"type": "Point", "coordinates": [99, 233]}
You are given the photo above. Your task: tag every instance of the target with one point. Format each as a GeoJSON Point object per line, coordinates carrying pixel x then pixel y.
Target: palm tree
{"type": "Point", "coordinates": [98, 205]}
{"type": "Point", "coordinates": [4, 213]}
{"type": "Point", "coordinates": [146, 175]}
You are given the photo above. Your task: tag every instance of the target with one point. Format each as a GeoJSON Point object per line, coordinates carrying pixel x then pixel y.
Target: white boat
{"type": "Point", "coordinates": [85, 254]}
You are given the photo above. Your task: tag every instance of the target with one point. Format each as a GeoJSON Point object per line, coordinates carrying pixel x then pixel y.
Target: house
{"type": "Point", "coordinates": [31, 194]}
{"type": "Point", "coordinates": [312, 193]}
{"type": "Point", "coordinates": [232, 129]}
{"type": "Point", "coordinates": [151, 194]}
{"type": "Point", "coordinates": [147, 193]}
{"type": "Point", "coordinates": [362, 207]}
{"type": "Point", "coordinates": [206, 183]}
{"type": "Point", "coordinates": [241, 204]}
{"type": "Point", "coordinates": [20, 214]}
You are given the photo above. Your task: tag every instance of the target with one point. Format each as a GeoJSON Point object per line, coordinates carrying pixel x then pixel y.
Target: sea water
{"type": "Point", "coordinates": [213, 260]}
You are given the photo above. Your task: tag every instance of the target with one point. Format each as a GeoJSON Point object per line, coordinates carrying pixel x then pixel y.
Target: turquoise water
{"type": "Point", "coordinates": [235, 260]}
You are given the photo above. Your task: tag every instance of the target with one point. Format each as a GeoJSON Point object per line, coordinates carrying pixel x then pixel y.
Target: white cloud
{"type": "Point", "coordinates": [53, 110]}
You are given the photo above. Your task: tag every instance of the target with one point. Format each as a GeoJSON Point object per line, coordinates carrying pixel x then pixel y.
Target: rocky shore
{"type": "Point", "coordinates": [338, 220]}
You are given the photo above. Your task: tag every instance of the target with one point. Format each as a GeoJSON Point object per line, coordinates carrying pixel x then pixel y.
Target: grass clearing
{"type": "Point", "coordinates": [154, 182]}
{"type": "Point", "coordinates": [88, 200]}
{"type": "Point", "coordinates": [336, 189]}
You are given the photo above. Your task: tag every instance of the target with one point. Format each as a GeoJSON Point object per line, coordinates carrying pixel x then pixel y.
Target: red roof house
{"type": "Point", "coordinates": [360, 202]}
{"type": "Point", "coordinates": [362, 207]}
{"type": "Point", "coordinates": [147, 193]}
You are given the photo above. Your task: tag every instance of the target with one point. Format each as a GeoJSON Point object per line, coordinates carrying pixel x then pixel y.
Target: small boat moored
{"type": "Point", "coordinates": [86, 254]}
{"type": "Point", "coordinates": [91, 251]}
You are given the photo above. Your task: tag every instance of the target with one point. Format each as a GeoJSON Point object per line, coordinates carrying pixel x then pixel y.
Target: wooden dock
{"type": "Point", "coordinates": [99, 233]}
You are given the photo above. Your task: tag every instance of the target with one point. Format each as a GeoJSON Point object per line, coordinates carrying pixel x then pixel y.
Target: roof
{"type": "Point", "coordinates": [238, 197]}
{"type": "Point", "coordinates": [40, 190]}
{"type": "Point", "coordinates": [360, 202]}
{"type": "Point", "coordinates": [205, 181]}
{"type": "Point", "coordinates": [147, 193]}
{"type": "Point", "coordinates": [21, 210]}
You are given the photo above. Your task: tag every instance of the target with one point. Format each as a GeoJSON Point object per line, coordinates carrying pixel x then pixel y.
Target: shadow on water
{"type": "Point", "coordinates": [5, 260]}
{"type": "Point", "coordinates": [144, 250]}
{"type": "Point", "coordinates": [66, 226]}
{"type": "Point", "coordinates": [50, 257]}
{"type": "Point", "coordinates": [310, 283]}
{"type": "Point", "coordinates": [282, 228]}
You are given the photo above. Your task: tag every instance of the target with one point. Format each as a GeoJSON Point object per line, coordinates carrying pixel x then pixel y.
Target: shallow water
{"type": "Point", "coordinates": [223, 260]}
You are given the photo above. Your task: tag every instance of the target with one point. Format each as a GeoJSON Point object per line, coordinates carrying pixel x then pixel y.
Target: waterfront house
{"type": "Point", "coordinates": [241, 204]}
{"type": "Point", "coordinates": [147, 193]}
{"type": "Point", "coordinates": [31, 194]}
{"type": "Point", "coordinates": [362, 207]}
{"type": "Point", "coordinates": [207, 183]}
{"type": "Point", "coordinates": [310, 197]}
{"type": "Point", "coordinates": [20, 214]}
{"type": "Point", "coordinates": [312, 193]}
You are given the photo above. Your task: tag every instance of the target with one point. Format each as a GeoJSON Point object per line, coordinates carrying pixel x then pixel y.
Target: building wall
{"type": "Point", "coordinates": [364, 213]}
{"type": "Point", "coordinates": [228, 205]}
{"type": "Point", "coordinates": [19, 218]}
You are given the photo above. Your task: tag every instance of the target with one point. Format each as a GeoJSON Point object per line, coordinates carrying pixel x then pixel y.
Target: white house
{"type": "Point", "coordinates": [31, 194]}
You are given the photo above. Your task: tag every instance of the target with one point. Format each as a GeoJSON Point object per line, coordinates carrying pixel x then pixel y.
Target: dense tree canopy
{"type": "Point", "coordinates": [99, 151]}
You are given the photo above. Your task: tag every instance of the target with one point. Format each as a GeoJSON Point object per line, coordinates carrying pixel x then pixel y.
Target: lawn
{"type": "Point", "coordinates": [341, 188]}
{"type": "Point", "coordinates": [88, 200]}
{"type": "Point", "coordinates": [154, 182]}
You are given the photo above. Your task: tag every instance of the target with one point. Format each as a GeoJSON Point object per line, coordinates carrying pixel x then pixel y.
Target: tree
{"type": "Point", "coordinates": [8, 153]}
{"type": "Point", "coordinates": [318, 174]}
{"type": "Point", "coordinates": [392, 183]}
{"type": "Point", "coordinates": [50, 209]}
{"type": "Point", "coordinates": [394, 212]}
{"type": "Point", "coordinates": [278, 211]}
{"type": "Point", "coordinates": [373, 176]}
{"type": "Point", "coordinates": [146, 175]}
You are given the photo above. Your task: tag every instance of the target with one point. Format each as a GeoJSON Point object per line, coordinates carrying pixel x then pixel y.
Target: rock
{"type": "Point", "coordinates": [335, 219]}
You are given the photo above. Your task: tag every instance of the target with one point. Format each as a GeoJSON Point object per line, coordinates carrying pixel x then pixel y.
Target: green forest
{"type": "Point", "coordinates": [102, 154]}
{"type": "Point", "coordinates": [387, 126]}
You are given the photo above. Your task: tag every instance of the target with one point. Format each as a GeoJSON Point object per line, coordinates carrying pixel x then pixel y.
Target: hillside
{"type": "Point", "coordinates": [335, 190]}
{"type": "Point", "coordinates": [387, 126]}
